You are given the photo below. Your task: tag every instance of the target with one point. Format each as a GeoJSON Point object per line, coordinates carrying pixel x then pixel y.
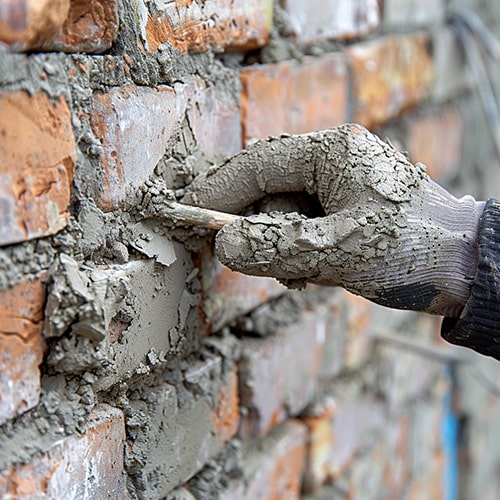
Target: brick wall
{"type": "Point", "coordinates": [132, 364]}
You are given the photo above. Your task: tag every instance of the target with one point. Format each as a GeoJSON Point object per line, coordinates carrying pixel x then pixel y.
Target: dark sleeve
{"type": "Point", "coordinates": [479, 326]}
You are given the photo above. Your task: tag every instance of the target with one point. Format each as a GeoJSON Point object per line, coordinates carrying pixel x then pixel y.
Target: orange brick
{"type": "Point", "coordinates": [339, 19]}
{"type": "Point", "coordinates": [390, 75]}
{"type": "Point", "coordinates": [24, 23]}
{"type": "Point", "coordinates": [87, 466]}
{"type": "Point", "coordinates": [293, 97]}
{"type": "Point", "coordinates": [90, 26]}
{"type": "Point", "coordinates": [37, 157]}
{"type": "Point", "coordinates": [225, 416]}
{"type": "Point", "coordinates": [196, 26]}
{"type": "Point", "coordinates": [278, 375]}
{"type": "Point", "coordinates": [436, 140]}
{"type": "Point", "coordinates": [228, 294]}
{"type": "Point", "coordinates": [272, 470]}
{"type": "Point", "coordinates": [21, 347]}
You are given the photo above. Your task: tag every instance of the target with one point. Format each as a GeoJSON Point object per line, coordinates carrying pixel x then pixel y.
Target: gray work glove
{"type": "Point", "coordinates": [389, 234]}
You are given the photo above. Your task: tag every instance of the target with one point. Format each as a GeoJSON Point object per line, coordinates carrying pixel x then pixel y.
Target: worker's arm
{"type": "Point", "coordinates": [388, 232]}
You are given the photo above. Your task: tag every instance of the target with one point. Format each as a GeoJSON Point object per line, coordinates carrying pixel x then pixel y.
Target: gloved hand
{"type": "Point", "coordinates": [389, 233]}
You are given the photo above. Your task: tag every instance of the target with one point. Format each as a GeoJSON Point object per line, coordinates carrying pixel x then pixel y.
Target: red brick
{"type": "Point", "coordinates": [390, 75]}
{"type": "Point", "coordinates": [90, 26]}
{"type": "Point", "coordinates": [342, 19]}
{"type": "Point", "coordinates": [196, 26]}
{"type": "Point", "coordinates": [228, 294]}
{"type": "Point", "coordinates": [293, 97]}
{"type": "Point", "coordinates": [337, 434]}
{"type": "Point", "coordinates": [37, 157]}
{"type": "Point", "coordinates": [21, 347]}
{"type": "Point", "coordinates": [23, 23]}
{"type": "Point", "coordinates": [436, 140]}
{"type": "Point", "coordinates": [278, 375]}
{"type": "Point", "coordinates": [61, 25]}
{"type": "Point", "coordinates": [135, 124]}
{"type": "Point", "coordinates": [87, 466]}
{"type": "Point", "coordinates": [272, 470]}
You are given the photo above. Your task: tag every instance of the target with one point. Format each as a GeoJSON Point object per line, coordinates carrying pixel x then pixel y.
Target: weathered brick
{"type": "Point", "coordinates": [412, 13]}
{"type": "Point", "coordinates": [278, 374]}
{"type": "Point", "coordinates": [184, 429]}
{"type": "Point", "coordinates": [338, 432]}
{"type": "Point", "coordinates": [90, 26]}
{"type": "Point", "coordinates": [135, 124]}
{"type": "Point", "coordinates": [436, 140]}
{"type": "Point", "coordinates": [62, 25]}
{"type": "Point", "coordinates": [389, 75]}
{"type": "Point", "coordinates": [21, 347]}
{"type": "Point", "coordinates": [23, 23]}
{"type": "Point", "coordinates": [86, 466]}
{"type": "Point", "coordinates": [228, 294]}
{"type": "Point", "coordinates": [37, 157]}
{"type": "Point", "coordinates": [293, 97]}
{"type": "Point", "coordinates": [274, 468]}
{"type": "Point", "coordinates": [342, 19]}
{"type": "Point", "coordinates": [196, 26]}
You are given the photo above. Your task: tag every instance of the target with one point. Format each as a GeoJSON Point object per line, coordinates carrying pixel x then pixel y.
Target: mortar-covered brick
{"type": "Point", "coordinates": [21, 347]}
{"type": "Point", "coordinates": [134, 125]}
{"type": "Point", "coordinates": [196, 26]}
{"type": "Point", "coordinates": [61, 25]}
{"type": "Point", "coordinates": [75, 467]}
{"type": "Point", "coordinates": [228, 294]}
{"type": "Point", "coordinates": [432, 485]}
{"type": "Point", "coordinates": [342, 19]}
{"type": "Point", "coordinates": [436, 140]}
{"type": "Point", "coordinates": [37, 157]}
{"type": "Point", "coordinates": [273, 468]}
{"type": "Point", "coordinates": [389, 75]}
{"type": "Point", "coordinates": [174, 431]}
{"type": "Point", "coordinates": [337, 432]}
{"type": "Point", "coordinates": [400, 14]}
{"type": "Point", "coordinates": [293, 97]}
{"type": "Point", "coordinates": [278, 374]}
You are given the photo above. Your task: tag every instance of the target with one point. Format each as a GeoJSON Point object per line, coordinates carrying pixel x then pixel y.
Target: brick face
{"type": "Point", "coordinates": [389, 75]}
{"type": "Point", "coordinates": [37, 157]}
{"type": "Point", "coordinates": [87, 466]}
{"type": "Point", "coordinates": [342, 19]}
{"type": "Point", "coordinates": [294, 98]}
{"type": "Point", "coordinates": [195, 26]}
{"type": "Point", "coordinates": [21, 347]}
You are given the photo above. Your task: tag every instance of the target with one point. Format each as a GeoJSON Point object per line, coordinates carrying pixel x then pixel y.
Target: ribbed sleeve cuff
{"type": "Point", "coordinates": [479, 326]}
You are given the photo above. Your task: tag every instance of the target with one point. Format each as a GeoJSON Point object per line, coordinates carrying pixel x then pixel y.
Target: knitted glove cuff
{"type": "Point", "coordinates": [479, 325]}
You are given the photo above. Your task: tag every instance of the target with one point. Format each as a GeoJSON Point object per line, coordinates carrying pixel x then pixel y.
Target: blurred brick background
{"type": "Point", "coordinates": [135, 366]}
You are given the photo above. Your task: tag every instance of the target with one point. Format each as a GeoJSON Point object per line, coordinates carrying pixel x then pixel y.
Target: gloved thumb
{"type": "Point", "coordinates": [287, 247]}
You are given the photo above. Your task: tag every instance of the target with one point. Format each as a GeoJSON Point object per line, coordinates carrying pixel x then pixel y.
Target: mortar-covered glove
{"type": "Point", "coordinates": [388, 232]}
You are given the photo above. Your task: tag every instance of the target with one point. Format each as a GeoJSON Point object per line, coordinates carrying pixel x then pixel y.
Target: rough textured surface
{"type": "Point", "coordinates": [37, 155]}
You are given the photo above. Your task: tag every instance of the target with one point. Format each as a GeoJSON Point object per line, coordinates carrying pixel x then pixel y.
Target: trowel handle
{"type": "Point", "coordinates": [197, 216]}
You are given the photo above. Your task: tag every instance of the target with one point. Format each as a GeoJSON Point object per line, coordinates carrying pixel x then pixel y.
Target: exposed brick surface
{"type": "Point", "coordinates": [338, 20]}
{"type": "Point", "coordinates": [228, 294]}
{"type": "Point", "coordinates": [185, 429]}
{"type": "Point", "coordinates": [37, 156]}
{"type": "Point", "coordinates": [289, 97]}
{"type": "Point", "coordinates": [21, 347]}
{"type": "Point", "coordinates": [390, 74]}
{"type": "Point", "coordinates": [134, 125]}
{"type": "Point", "coordinates": [412, 13]}
{"type": "Point", "coordinates": [87, 466]}
{"type": "Point", "coordinates": [24, 23]}
{"type": "Point", "coordinates": [278, 374]}
{"type": "Point", "coordinates": [67, 25]}
{"type": "Point", "coordinates": [198, 25]}
{"type": "Point", "coordinates": [274, 469]}
{"type": "Point", "coordinates": [436, 140]}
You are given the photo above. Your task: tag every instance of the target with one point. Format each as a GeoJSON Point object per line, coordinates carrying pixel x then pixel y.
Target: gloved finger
{"type": "Point", "coordinates": [274, 165]}
{"type": "Point", "coordinates": [289, 247]}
